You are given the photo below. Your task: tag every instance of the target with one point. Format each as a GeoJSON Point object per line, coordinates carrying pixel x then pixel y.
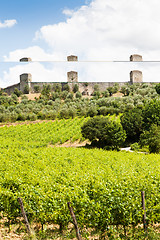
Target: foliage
{"type": "Point", "coordinates": [57, 87]}
{"type": "Point", "coordinates": [70, 96]}
{"type": "Point", "coordinates": [103, 186]}
{"type": "Point", "coordinates": [36, 88]}
{"type": "Point", "coordinates": [17, 92]}
{"type": "Point", "coordinates": [96, 88]}
{"type": "Point", "coordinates": [46, 90]}
{"type": "Point", "coordinates": [152, 139]}
{"type": "Point", "coordinates": [132, 122]}
{"type": "Point", "coordinates": [66, 87]}
{"type": "Point", "coordinates": [26, 89]}
{"type": "Point", "coordinates": [75, 88]}
{"type": "Point", "coordinates": [78, 95]}
{"type": "Point", "coordinates": [151, 113]}
{"type": "Point", "coordinates": [135, 146]}
{"type": "Point", "coordinates": [104, 132]}
{"type": "Point", "coordinates": [157, 87]}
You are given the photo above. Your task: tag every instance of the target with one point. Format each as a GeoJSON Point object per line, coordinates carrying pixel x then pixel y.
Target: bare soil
{"type": "Point", "coordinates": [72, 144]}
{"type": "Point", "coordinates": [8, 124]}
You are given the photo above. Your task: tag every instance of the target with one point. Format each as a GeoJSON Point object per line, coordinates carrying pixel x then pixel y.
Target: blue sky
{"type": "Point", "coordinates": [94, 30]}
{"type": "Point", "coordinates": [30, 16]}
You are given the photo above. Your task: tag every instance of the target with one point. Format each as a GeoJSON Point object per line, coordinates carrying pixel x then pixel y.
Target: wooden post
{"type": "Point", "coordinates": [144, 211]}
{"type": "Point", "coordinates": [74, 221]}
{"type": "Point", "coordinates": [24, 216]}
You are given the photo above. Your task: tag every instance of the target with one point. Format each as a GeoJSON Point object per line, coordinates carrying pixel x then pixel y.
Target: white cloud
{"type": "Point", "coordinates": [8, 23]}
{"type": "Point", "coordinates": [35, 53]}
{"type": "Point", "coordinates": [100, 30]}
{"type": "Point", "coordinates": [108, 29]}
{"type": "Point", "coordinates": [40, 73]}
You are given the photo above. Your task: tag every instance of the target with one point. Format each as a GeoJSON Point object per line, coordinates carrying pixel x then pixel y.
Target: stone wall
{"type": "Point", "coordinates": [72, 79]}
{"type": "Point", "coordinates": [86, 88]}
{"type": "Point", "coordinates": [9, 90]}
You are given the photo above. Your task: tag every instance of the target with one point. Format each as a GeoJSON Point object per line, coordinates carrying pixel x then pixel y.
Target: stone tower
{"type": "Point", "coordinates": [25, 79]}
{"type": "Point", "coordinates": [72, 58]}
{"type": "Point", "coordinates": [25, 59]}
{"type": "Point", "coordinates": [136, 76]}
{"type": "Point", "coordinates": [136, 58]}
{"type": "Point", "coordinates": [72, 77]}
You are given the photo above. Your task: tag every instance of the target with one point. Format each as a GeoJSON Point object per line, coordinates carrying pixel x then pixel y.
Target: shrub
{"type": "Point", "coordinates": [105, 93]}
{"type": "Point", "coordinates": [46, 90]}
{"type": "Point", "coordinates": [17, 92]}
{"type": "Point", "coordinates": [103, 111]}
{"type": "Point", "coordinates": [92, 111]}
{"type": "Point", "coordinates": [64, 113]}
{"type": "Point", "coordinates": [151, 138]}
{"type": "Point", "coordinates": [75, 88]}
{"type": "Point", "coordinates": [72, 112]}
{"type": "Point", "coordinates": [78, 95]}
{"type": "Point", "coordinates": [52, 114]}
{"type": "Point", "coordinates": [54, 96]}
{"type": "Point", "coordinates": [132, 122]}
{"type": "Point", "coordinates": [57, 87]}
{"type": "Point", "coordinates": [32, 117]}
{"type": "Point", "coordinates": [135, 146]}
{"type": "Point", "coordinates": [70, 96]}
{"type": "Point", "coordinates": [66, 87]}
{"type": "Point", "coordinates": [36, 88]}
{"type": "Point", "coordinates": [96, 88]}
{"type": "Point", "coordinates": [151, 113]}
{"type": "Point", "coordinates": [104, 132]}
{"type": "Point", "coordinates": [157, 87]}
{"type": "Point", "coordinates": [22, 116]}
{"type": "Point", "coordinates": [41, 115]}
{"type": "Point", "coordinates": [26, 89]}
{"type": "Point", "coordinates": [64, 94]}
{"type": "Point", "coordinates": [96, 94]}
{"type": "Point", "coordinates": [13, 116]}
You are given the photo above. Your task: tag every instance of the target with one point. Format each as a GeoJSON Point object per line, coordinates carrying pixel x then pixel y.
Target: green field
{"type": "Point", "coordinates": [104, 187]}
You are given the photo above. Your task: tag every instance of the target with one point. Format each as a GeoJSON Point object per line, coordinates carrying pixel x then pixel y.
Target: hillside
{"type": "Point", "coordinates": [104, 187]}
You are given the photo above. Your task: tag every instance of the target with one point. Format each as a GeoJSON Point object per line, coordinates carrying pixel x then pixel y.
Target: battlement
{"type": "Point", "coordinates": [25, 59]}
{"type": "Point", "coordinates": [136, 58]}
{"type": "Point", "coordinates": [72, 58]}
{"type": "Point", "coordinates": [136, 76]}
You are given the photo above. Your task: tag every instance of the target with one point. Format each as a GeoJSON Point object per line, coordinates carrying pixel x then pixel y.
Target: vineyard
{"type": "Point", "coordinates": [104, 187]}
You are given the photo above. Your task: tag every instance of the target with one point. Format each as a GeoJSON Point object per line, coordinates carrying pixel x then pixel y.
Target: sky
{"type": "Point", "coordinates": [96, 31]}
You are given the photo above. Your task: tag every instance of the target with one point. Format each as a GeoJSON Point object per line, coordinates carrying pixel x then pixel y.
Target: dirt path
{"type": "Point", "coordinates": [8, 124]}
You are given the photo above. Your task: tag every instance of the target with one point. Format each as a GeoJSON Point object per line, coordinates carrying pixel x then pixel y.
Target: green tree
{"type": "Point", "coordinates": [151, 113]}
{"type": "Point", "coordinates": [92, 111]}
{"type": "Point", "coordinates": [132, 122]}
{"type": "Point", "coordinates": [46, 90]}
{"type": "Point", "coordinates": [78, 95]}
{"type": "Point", "coordinates": [104, 132]}
{"type": "Point", "coordinates": [75, 88]}
{"type": "Point", "coordinates": [151, 138]}
{"type": "Point", "coordinates": [157, 87]}
{"type": "Point", "coordinates": [66, 87]}
{"type": "Point", "coordinates": [17, 92]}
{"type": "Point", "coordinates": [57, 87]}
{"type": "Point", "coordinates": [70, 96]}
{"type": "Point", "coordinates": [26, 89]}
{"type": "Point", "coordinates": [105, 93]}
{"type": "Point", "coordinates": [96, 88]}
{"type": "Point", "coordinates": [110, 90]}
{"type": "Point", "coordinates": [36, 88]}
{"type": "Point", "coordinates": [64, 94]}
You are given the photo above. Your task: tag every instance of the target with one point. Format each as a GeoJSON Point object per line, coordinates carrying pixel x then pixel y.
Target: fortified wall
{"type": "Point", "coordinates": [136, 76]}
